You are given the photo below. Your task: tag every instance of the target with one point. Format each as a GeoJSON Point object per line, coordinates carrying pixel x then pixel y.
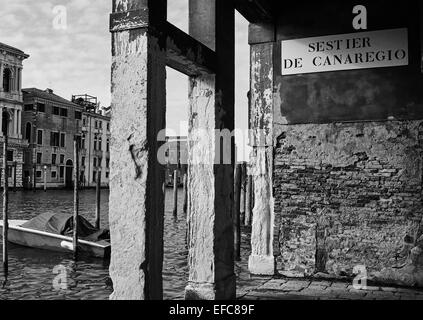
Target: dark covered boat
{"type": "Point", "coordinates": [54, 231]}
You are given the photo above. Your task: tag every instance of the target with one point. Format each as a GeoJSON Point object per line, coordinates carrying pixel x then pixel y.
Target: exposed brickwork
{"type": "Point", "coordinates": [347, 194]}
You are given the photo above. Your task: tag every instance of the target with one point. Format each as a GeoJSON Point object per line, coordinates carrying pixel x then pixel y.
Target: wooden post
{"type": "Point", "coordinates": [185, 193]}
{"type": "Point", "coordinates": [35, 178]}
{"type": "Point", "coordinates": [45, 178]}
{"type": "Point", "coordinates": [175, 193]}
{"type": "Point", "coordinates": [243, 192]}
{"type": "Point", "coordinates": [237, 222]}
{"type": "Point", "coordinates": [249, 201]}
{"type": "Point", "coordinates": [5, 212]}
{"type": "Point", "coordinates": [98, 198]}
{"type": "Point", "coordinates": [14, 176]}
{"type": "Point", "coordinates": [75, 199]}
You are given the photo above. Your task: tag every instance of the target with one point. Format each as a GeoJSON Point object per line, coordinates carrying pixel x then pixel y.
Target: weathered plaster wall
{"type": "Point", "coordinates": [347, 174]}
{"type": "Point", "coordinates": [368, 94]}
{"type": "Point", "coordinates": [348, 194]}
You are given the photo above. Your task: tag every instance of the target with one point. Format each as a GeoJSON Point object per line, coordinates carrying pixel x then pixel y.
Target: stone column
{"type": "Point", "coordinates": [15, 123]}
{"type": "Point", "coordinates": [12, 80]}
{"type": "Point", "coordinates": [210, 204]}
{"type": "Point", "coordinates": [19, 124]}
{"type": "Point", "coordinates": [136, 194]}
{"type": "Point", "coordinates": [262, 261]}
{"type": "Point", "coordinates": [20, 80]}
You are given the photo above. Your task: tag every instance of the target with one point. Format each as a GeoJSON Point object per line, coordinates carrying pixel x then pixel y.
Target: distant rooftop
{"type": "Point", "coordinates": [47, 94]}
{"type": "Point", "coordinates": [90, 103]}
{"type": "Point", "coordinates": [14, 50]}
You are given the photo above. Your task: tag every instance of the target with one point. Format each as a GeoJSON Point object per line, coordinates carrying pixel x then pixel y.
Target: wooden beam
{"type": "Point", "coordinates": [261, 33]}
{"type": "Point", "coordinates": [187, 55]}
{"type": "Point", "coordinates": [256, 10]}
{"type": "Point", "coordinates": [183, 52]}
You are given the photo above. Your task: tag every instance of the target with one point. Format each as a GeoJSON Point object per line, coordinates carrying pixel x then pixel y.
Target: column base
{"type": "Point", "coordinates": [224, 290]}
{"type": "Point", "coordinates": [261, 265]}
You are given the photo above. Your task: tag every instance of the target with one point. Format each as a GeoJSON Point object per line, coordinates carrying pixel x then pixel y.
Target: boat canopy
{"type": "Point", "coordinates": [62, 224]}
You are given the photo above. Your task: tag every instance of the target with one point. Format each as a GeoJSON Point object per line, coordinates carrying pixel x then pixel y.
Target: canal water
{"type": "Point", "coordinates": [40, 274]}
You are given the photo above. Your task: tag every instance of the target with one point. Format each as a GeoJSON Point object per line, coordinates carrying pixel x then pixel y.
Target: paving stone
{"type": "Point", "coordinates": [295, 285]}
{"type": "Point", "coordinates": [410, 297]}
{"type": "Point", "coordinates": [401, 291]}
{"type": "Point", "coordinates": [382, 295]}
{"type": "Point", "coordinates": [352, 295]}
{"type": "Point", "coordinates": [281, 289]}
{"type": "Point", "coordinates": [361, 293]}
{"type": "Point", "coordinates": [339, 285]}
{"type": "Point", "coordinates": [316, 293]}
{"type": "Point", "coordinates": [317, 287]}
{"type": "Point", "coordinates": [387, 289]}
{"type": "Point", "coordinates": [272, 285]}
{"type": "Point", "coordinates": [320, 283]}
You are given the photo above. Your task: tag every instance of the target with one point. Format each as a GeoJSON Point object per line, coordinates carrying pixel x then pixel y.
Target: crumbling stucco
{"type": "Point", "coordinates": [136, 195]}
{"type": "Point", "coordinates": [349, 194]}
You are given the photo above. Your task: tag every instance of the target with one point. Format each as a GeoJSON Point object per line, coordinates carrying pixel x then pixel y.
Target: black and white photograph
{"type": "Point", "coordinates": [232, 152]}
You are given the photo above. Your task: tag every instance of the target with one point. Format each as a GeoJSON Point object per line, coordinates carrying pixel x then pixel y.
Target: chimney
{"type": "Point", "coordinates": [48, 90]}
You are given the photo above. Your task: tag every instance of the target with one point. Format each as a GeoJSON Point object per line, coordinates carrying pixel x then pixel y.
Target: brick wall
{"type": "Point", "coordinates": [347, 194]}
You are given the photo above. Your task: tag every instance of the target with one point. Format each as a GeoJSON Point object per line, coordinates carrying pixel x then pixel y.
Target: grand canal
{"type": "Point", "coordinates": [34, 273]}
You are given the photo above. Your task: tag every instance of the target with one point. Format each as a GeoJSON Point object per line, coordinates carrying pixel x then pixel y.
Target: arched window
{"type": "Point", "coordinates": [28, 132]}
{"type": "Point", "coordinates": [7, 80]}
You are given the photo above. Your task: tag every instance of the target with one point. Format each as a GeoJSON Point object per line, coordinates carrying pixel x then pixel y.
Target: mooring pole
{"type": "Point", "coordinates": [249, 201]}
{"type": "Point", "coordinates": [35, 178]}
{"type": "Point", "coordinates": [243, 192]}
{"type": "Point", "coordinates": [185, 193]}
{"type": "Point", "coordinates": [14, 176]}
{"type": "Point", "coordinates": [237, 224]}
{"type": "Point", "coordinates": [75, 199]}
{"type": "Point", "coordinates": [98, 198]}
{"type": "Point", "coordinates": [5, 211]}
{"type": "Point", "coordinates": [175, 193]}
{"type": "Point", "coordinates": [45, 178]}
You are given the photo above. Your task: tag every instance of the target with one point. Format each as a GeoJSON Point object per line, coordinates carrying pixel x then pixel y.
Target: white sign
{"type": "Point", "coordinates": [363, 50]}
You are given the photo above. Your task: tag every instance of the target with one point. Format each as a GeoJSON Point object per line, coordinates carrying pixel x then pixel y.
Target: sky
{"type": "Point", "coordinates": [69, 44]}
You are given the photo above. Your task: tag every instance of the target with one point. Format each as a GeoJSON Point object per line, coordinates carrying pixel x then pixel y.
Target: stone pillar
{"type": "Point", "coordinates": [15, 123]}
{"type": "Point", "coordinates": [20, 80]}
{"type": "Point", "coordinates": [210, 204]}
{"type": "Point", "coordinates": [19, 124]}
{"type": "Point", "coordinates": [262, 261]}
{"type": "Point", "coordinates": [12, 79]}
{"type": "Point", "coordinates": [136, 195]}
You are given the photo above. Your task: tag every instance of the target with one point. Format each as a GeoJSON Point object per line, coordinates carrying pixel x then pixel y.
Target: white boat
{"type": "Point", "coordinates": [51, 232]}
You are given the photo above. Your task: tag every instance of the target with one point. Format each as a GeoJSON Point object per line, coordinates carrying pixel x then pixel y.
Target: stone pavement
{"type": "Point", "coordinates": [290, 289]}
